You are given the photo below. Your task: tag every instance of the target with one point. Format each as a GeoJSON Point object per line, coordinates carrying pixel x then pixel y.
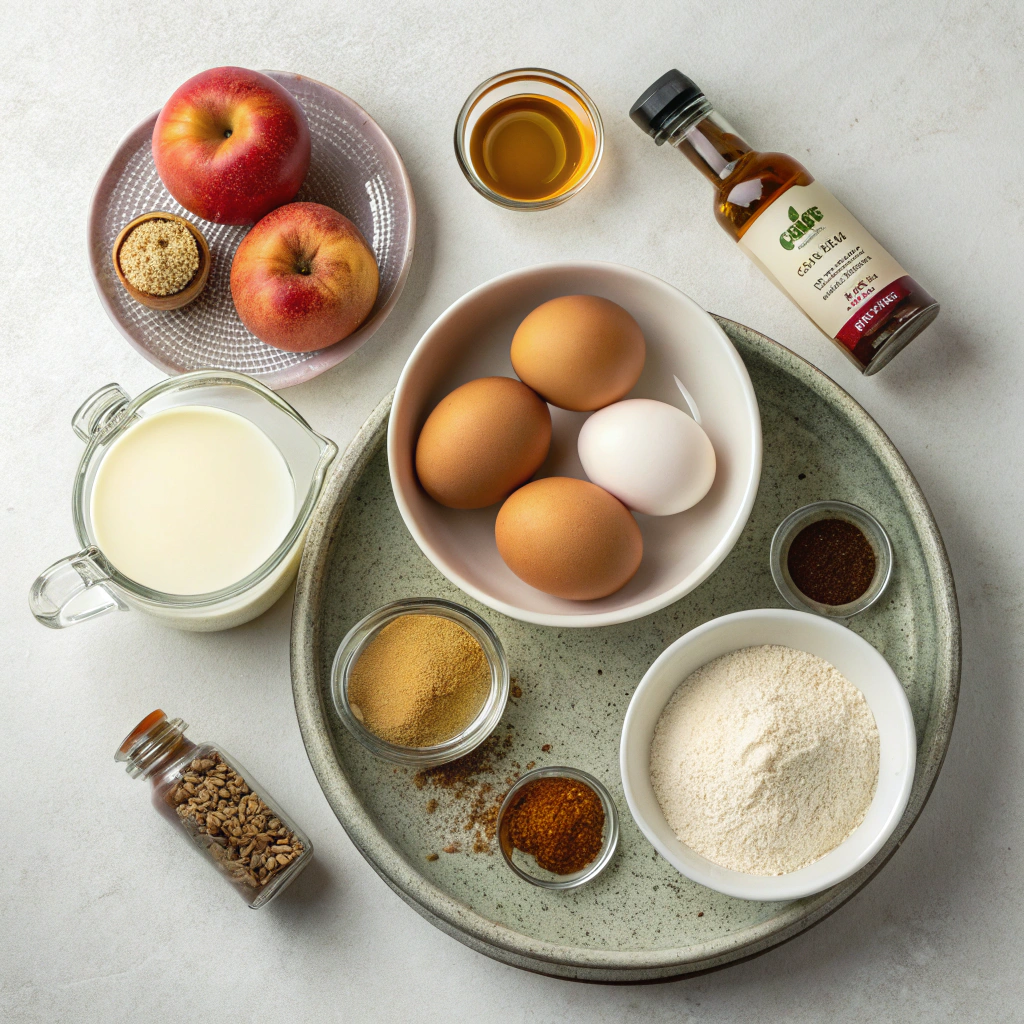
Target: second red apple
{"type": "Point", "coordinates": [303, 278]}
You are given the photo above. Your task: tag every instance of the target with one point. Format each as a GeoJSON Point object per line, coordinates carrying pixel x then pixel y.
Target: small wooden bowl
{"type": "Point", "coordinates": [190, 291]}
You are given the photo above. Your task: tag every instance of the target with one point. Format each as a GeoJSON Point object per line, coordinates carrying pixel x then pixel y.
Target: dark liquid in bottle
{"type": "Point", "coordinates": [819, 255]}
{"type": "Point", "coordinates": [753, 182]}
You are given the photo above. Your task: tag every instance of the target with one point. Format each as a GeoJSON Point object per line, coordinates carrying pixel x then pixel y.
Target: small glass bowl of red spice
{"type": "Point", "coordinates": [832, 558]}
{"type": "Point", "coordinates": [558, 828]}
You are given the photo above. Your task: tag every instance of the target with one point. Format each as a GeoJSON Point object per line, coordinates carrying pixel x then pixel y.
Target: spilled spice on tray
{"type": "Point", "coordinates": [560, 821]}
{"type": "Point", "coordinates": [469, 793]}
{"type": "Point", "coordinates": [831, 562]}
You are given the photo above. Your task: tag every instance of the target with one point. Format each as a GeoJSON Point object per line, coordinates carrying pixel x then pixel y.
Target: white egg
{"type": "Point", "coordinates": [653, 457]}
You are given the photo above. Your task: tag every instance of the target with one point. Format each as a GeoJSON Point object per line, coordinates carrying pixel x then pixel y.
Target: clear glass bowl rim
{"type": "Point", "coordinates": [537, 73]}
{"type": "Point", "coordinates": [611, 826]}
{"type": "Point", "coordinates": [814, 512]}
{"type": "Point", "coordinates": [462, 743]}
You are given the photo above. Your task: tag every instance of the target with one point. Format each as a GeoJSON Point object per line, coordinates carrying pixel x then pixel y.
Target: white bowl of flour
{"type": "Point", "coordinates": [786, 761]}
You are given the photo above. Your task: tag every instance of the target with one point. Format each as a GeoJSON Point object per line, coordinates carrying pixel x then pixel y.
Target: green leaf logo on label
{"type": "Point", "coordinates": [800, 225]}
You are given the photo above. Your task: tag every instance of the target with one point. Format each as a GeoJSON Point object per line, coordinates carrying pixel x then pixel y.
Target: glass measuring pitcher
{"type": "Point", "coordinates": [87, 584]}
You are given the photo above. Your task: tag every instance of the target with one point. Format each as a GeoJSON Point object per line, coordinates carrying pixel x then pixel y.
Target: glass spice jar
{"type": "Point", "coordinates": [558, 822]}
{"type": "Point", "coordinates": [218, 806]}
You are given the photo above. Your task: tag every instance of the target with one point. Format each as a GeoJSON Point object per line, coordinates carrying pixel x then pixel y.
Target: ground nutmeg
{"type": "Point", "coordinates": [559, 821]}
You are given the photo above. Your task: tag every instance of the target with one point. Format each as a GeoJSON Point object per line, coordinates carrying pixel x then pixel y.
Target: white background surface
{"type": "Point", "coordinates": [911, 113]}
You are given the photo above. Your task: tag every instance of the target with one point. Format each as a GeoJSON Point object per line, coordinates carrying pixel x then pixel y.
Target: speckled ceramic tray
{"type": "Point", "coordinates": [640, 920]}
{"type": "Point", "coordinates": [354, 169]}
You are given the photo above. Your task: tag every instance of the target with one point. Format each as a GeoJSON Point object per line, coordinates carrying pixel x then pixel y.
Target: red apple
{"type": "Point", "coordinates": [303, 278]}
{"type": "Point", "coordinates": [231, 144]}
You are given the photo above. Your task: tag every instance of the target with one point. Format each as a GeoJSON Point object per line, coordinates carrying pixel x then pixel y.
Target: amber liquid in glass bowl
{"type": "Point", "coordinates": [528, 139]}
{"type": "Point", "coordinates": [530, 147]}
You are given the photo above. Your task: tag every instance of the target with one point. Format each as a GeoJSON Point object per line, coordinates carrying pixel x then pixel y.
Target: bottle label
{"type": "Point", "coordinates": [813, 248]}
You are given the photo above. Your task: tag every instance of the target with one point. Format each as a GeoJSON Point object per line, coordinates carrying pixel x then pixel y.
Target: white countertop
{"type": "Point", "coordinates": [910, 112]}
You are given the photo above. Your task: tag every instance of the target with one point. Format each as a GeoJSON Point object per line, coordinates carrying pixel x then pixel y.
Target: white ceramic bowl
{"type": "Point", "coordinates": [472, 338]}
{"type": "Point", "coordinates": [857, 660]}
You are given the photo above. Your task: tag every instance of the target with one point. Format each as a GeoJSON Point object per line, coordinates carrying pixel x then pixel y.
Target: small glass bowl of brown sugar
{"type": "Point", "coordinates": [162, 260]}
{"type": "Point", "coordinates": [420, 682]}
{"type": "Point", "coordinates": [832, 558]}
{"type": "Point", "coordinates": [558, 828]}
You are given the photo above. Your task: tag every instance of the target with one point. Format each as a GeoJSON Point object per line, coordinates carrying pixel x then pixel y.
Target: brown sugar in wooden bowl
{"type": "Point", "coordinates": [186, 294]}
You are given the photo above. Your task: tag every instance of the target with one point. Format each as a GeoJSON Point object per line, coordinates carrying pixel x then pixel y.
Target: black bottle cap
{"type": "Point", "coordinates": [670, 94]}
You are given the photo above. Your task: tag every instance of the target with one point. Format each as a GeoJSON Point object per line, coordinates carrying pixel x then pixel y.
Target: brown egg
{"type": "Point", "coordinates": [482, 441]}
{"type": "Point", "coordinates": [569, 538]}
{"type": "Point", "coordinates": [579, 352]}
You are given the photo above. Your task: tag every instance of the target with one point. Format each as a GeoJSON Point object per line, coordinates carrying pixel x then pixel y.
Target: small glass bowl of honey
{"type": "Point", "coordinates": [529, 139]}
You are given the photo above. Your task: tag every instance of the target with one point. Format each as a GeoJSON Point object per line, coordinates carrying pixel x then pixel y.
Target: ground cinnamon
{"type": "Point", "coordinates": [471, 790]}
{"type": "Point", "coordinates": [831, 562]}
{"type": "Point", "coordinates": [560, 822]}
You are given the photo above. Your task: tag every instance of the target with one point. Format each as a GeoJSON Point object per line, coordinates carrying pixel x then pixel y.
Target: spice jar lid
{"type": "Point", "coordinates": [148, 742]}
{"type": "Point", "coordinates": [790, 528]}
{"type": "Point", "coordinates": [525, 865]}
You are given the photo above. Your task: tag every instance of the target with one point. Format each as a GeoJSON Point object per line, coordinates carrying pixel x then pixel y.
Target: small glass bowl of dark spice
{"type": "Point", "coordinates": [218, 806]}
{"type": "Point", "coordinates": [831, 558]}
{"type": "Point", "coordinates": [558, 828]}
{"type": "Point", "coordinates": [421, 681]}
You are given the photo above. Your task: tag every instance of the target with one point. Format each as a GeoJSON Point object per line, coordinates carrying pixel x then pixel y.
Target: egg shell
{"type": "Point", "coordinates": [650, 455]}
{"type": "Point", "coordinates": [579, 352]}
{"type": "Point", "coordinates": [482, 441]}
{"type": "Point", "coordinates": [569, 538]}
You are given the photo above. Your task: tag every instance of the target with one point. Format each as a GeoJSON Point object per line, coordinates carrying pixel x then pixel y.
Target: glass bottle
{"type": "Point", "coordinates": [808, 244]}
{"type": "Point", "coordinates": [211, 800]}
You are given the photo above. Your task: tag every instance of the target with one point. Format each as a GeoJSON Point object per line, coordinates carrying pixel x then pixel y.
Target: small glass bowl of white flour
{"type": "Point", "coordinates": [768, 754]}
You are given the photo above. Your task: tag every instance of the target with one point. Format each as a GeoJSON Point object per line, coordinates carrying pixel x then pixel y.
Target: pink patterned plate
{"type": "Point", "coordinates": [355, 169]}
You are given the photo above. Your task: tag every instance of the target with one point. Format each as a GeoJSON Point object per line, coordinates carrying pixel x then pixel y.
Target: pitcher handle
{"type": "Point", "coordinates": [73, 590]}
{"type": "Point", "coordinates": [99, 411]}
